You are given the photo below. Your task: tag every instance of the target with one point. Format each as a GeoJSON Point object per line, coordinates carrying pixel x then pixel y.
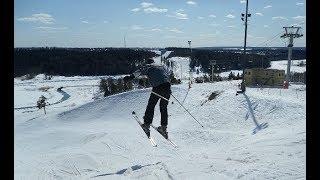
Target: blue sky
{"type": "Point", "coordinates": [154, 23]}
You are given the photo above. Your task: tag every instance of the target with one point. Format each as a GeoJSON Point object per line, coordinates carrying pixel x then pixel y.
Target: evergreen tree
{"type": "Point", "coordinates": [120, 85]}
{"type": "Point", "coordinates": [231, 76]}
{"type": "Point", "coordinates": [238, 76]}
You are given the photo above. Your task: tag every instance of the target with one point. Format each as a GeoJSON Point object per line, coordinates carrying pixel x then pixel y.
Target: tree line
{"type": "Point", "coordinates": [78, 61]}
{"type": "Point", "coordinates": [233, 59]}
{"type": "Point", "coordinates": [115, 61]}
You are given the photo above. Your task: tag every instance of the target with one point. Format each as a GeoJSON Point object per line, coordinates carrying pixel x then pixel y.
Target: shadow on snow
{"type": "Point", "coordinates": [122, 171]}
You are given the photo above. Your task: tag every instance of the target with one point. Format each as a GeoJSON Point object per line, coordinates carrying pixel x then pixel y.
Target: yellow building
{"type": "Point", "coordinates": [264, 77]}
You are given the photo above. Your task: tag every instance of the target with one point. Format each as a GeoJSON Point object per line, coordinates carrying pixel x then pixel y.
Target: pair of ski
{"type": "Point", "coordinates": [153, 143]}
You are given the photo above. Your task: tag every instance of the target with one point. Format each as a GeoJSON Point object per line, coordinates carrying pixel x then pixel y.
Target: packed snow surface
{"type": "Point", "coordinates": [293, 68]}
{"type": "Point", "coordinates": [85, 137]}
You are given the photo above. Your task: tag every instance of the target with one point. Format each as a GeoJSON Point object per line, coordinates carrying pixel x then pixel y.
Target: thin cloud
{"type": "Point", "coordinates": [300, 4]}
{"type": "Point", "coordinates": [85, 22]}
{"type": "Point", "coordinates": [230, 16]}
{"type": "Point", "coordinates": [231, 26]}
{"type": "Point", "coordinates": [149, 8]}
{"type": "Point", "coordinates": [279, 18]}
{"type": "Point", "coordinates": [295, 24]}
{"type": "Point", "coordinates": [299, 18]}
{"type": "Point", "coordinates": [41, 17]}
{"type": "Point", "coordinates": [105, 21]}
{"type": "Point", "coordinates": [265, 26]}
{"type": "Point", "coordinates": [135, 9]}
{"type": "Point", "coordinates": [48, 29]}
{"type": "Point", "coordinates": [191, 3]}
{"type": "Point", "coordinates": [155, 10]}
{"type": "Point", "coordinates": [51, 28]}
{"type": "Point", "coordinates": [179, 14]}
{"type": "Point", "coordinates": [175, 30]}
{"type": "Point", "coordinates": [155, 29]}
{"type": "Point", "coordinates": [146, 4]}
{"type": "Point", "coordinates": [242, 1]}
{"type": "Point", "coordinates": [268, 6]}
{"type": "Point", "coordinates": [136, 27]}
{"type": "Point", "coordinates": [259, 14]}
{"type": "Point", "coordinates": [212, 16]}
{"type": "Point", "coordinates": [200, 17]}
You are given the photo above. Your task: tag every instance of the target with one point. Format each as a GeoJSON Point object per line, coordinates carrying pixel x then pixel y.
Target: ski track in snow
{"type": "Point", "coordinates": [99, 139]}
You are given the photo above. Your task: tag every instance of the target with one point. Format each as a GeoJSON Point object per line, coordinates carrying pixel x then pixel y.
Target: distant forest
{"type": "Point", "coordinates": [77, 61]}
{"type": "Point", "coordinates": [232, 59]}
{"type": "Point", "coordinates": [115, 61]}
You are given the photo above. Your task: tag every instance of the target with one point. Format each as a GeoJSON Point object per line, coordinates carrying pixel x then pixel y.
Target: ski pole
{"type": "Point", "coordinates": [179, 104]}
{"type": "Point", "coordinates": [186, 95]}
{"type": "Point", "coordinates": [186, 110]}
{"type": "Point", "coordinates": [160, 96]}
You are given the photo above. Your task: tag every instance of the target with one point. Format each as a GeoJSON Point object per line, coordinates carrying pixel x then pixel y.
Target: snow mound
{"type": "Point", "coordinates": [100, 139]}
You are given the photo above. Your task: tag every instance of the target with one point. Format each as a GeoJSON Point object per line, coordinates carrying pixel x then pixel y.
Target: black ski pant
{"type": "Point", "coordinates": [165, 91]}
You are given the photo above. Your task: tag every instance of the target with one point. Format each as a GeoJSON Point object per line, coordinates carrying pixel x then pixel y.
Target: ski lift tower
{"type": "Point", "coordinates": [290, 32]}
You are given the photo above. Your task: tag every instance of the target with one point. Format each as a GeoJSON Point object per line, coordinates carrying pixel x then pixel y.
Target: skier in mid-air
{"type": "Point", "coordinates": [159, 77]}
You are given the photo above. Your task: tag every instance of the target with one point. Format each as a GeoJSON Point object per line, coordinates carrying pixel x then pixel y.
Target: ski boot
{"type": "Point", "coordinates": [163, 131]}
{"type": "Point", "coordinates": [146, 128]}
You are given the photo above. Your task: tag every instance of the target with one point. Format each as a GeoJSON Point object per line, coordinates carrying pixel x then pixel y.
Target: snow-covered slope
{"type": "Point", "coordinates": [83, 138]}
{"type": "Point", "coordinates": [100, 139]}
{"type": "Point", "coordinates": [181, 67]}
{"type": "Point", "coordinates": [293, 68]}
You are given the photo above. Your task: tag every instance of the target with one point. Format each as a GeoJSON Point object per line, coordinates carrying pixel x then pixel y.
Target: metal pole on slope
{"type": "Point", "coordinates": [212, 63]}
{"type": "Point", "coordinates": [245, 19]}
{"type": "Point", "coordinates": [179, 104]}
{"type": "Point", "coordinates": [212, 73]}
{"type": "Point", "coordinates": [190, 59]}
